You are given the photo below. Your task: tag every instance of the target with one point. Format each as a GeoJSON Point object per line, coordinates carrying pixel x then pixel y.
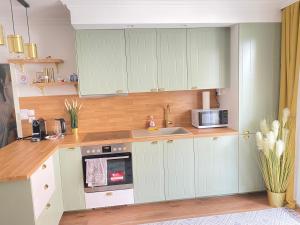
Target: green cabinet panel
{"type": "Point", "coordinates": [141, 60]}
{"type": "Point", "coordinates": [208, 52]}
{"type": "Point", "coordinates": [53, 212]}
{"type": "Point", "coordinates": [179, 169]}
{"type": "Point", "coordinates": [259, 69]}
{"type": "Point", "coordinates": [216, 165]}
{"type": "Point", "coordinates": [148, 172]}
{"type": "Point", "coordinates": [101, 62]}
{"type": "Point", "coordinates": [250, 178]}
{"type": "Point", "coordinates": [72, 179]}
{"type": "Point", "coordinates": [171, 57]}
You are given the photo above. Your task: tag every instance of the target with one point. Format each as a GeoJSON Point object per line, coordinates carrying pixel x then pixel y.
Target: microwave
{"type": "Point", "coordinates": [209, 118]}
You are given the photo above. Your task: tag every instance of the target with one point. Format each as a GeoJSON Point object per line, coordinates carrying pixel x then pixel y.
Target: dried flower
{"type": "Point", "coordinates": [285, 116]}
{"type": "Point", "coordinates": [275, 128]}
{"type": "Point", "coordinates": [271, 140]}
{"type": "Point", "coordinates": [285, 135]}
{"type": "Point", "coordinates": [280, 147]}
{"type": "Point", "coordinates": [259, 141]}
{"type": "Point", "coordinates": [264, 127]}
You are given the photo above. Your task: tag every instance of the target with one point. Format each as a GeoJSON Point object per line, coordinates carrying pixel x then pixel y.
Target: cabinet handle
{"type": "Point", "coordinates": [108, 193]}
{"type": "Point", "coordinates": [194, 88]}
{"type": "Point", "coordinates": [119, 91]}
{"type": "Point", "coordinates": [215, 138]}
{"type": "Point", "coordinates": [154, 90]}
{"type": "Point", "coordinates": [46, 186]}
{"type": "Point", "coordinates": [154, 142]}
{"type": "Point", "coordinates": [169, 141]}
{"type": "Point", "coordinates": [246, 132]}
{"type": "Point", "coordinates": [71, 149]}
{"type": "Point", "coordinates": [48, 205]}
{"type": "Point", "coordinates": [44, 166]}
{"type": "Point", "coordinates": [161, 89]}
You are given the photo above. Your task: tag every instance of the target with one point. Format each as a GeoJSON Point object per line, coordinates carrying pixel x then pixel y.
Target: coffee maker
{"type": "Point", "coordinates": [39, 130]}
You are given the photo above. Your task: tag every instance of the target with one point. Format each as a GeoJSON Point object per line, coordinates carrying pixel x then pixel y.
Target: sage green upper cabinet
{"type": "Point", "coordinates": [179, 169]}
{"type": "Point", "coordinates": [216, 165]}
{"type": "Point", "coordinates": [208, 52]}
{"type": "Point", "coordinates": [171, 57]}
{"type": "Point", "coordinates": [148, 172]}
{"type": "Point", "coordinates": [259, 65]}
{"type": "Point", "coordinates": [141, 60]}
{"type": "Point", "coordinates": [101, 62]}
{"type": "Point", "coordinates": [72, 179]}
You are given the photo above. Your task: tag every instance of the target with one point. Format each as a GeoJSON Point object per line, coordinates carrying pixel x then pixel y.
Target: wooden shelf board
{"type": "Point", "coordinates": [35, 61]}
{"type": "Point", "coordinates": [53, 84]}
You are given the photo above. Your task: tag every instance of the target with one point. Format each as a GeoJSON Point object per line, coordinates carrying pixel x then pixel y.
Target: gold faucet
{"type": "Point", "coordinates": [167, 111]}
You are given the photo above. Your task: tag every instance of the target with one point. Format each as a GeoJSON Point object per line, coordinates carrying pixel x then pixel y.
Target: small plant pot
{"type": "Point", "coordinates": [276, 200]}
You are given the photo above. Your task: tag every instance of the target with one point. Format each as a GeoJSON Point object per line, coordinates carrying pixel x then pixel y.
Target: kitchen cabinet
{"type": "Point", "coordinates": [101, 62]}
{"type": "Point", "coordinates": [171, 58]}
{"type": "Point", "coordinates": [141, 60]}
{"type": "Point", "coordinates": [216, 165]}
{"type": "Point", "coordinates": [148, 171]}
{"type": "Point", "coordinates": [208, 51]}
{"type": "Point", "coordinates": [179, 169]}
{"type": "Point", "coordinates": [54, 208]}
{"type": "Point", "coordinates": [72, 179]}
{"type": "Point", "coordinates": [259, 72]}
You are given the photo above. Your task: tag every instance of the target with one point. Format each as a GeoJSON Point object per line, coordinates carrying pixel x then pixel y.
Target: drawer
{"type": "Point", "coordinates": [42, 186]}
{"type": "Point", "coordinates": [109, 198]}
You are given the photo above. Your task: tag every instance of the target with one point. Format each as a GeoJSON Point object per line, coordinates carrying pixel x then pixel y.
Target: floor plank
{"type": "Point", "coordinates": [137, 214]}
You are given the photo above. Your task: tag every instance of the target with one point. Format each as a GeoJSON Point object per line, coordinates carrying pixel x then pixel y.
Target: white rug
{"type": "Point", "coordinates": [279, 216]}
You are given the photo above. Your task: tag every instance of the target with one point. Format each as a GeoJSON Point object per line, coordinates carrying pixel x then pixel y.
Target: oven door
{"type": "Point", "coordinates": [118, 172]}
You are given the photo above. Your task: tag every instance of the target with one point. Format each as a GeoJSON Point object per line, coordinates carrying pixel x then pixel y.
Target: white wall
{"type": "Point", "coordinates": [53, 39]}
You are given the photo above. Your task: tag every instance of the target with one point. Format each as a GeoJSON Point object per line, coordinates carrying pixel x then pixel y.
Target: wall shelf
{"type": "Point", "coordinates": [42, 86]}
{"type": "Point", "coordinates": [35, 61]}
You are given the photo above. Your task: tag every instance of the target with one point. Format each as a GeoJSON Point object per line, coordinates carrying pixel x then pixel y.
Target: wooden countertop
{"type": "Point", "coordinates": [20, 159]}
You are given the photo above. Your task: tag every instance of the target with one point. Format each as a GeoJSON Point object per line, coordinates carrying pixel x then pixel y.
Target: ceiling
{"type": "Point", "coordinates": [39, 9]}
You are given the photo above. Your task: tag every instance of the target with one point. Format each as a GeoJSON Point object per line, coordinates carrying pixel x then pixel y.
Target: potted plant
{"type": "Point", "coordinates": [274, 158]}
{"type": "Point", "coordinates": [73, 110]}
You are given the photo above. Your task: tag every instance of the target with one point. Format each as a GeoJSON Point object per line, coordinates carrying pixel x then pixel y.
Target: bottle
{"type": "Point", "coordinates": [152, 125]}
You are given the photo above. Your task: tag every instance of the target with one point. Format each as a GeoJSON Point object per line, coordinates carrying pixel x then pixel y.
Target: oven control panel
{"type": "Point", "coordinates": [105, 149]}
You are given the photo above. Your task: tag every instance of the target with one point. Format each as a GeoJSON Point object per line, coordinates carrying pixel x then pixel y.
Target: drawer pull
{"type": "Point", "coordinates": [46, 186]}
{"type": "Point", "coordinates": [161, 89]}
{"type": "Point", "coordinates": [169, 141]}
{"type": "Point", "coordinates": [194, 88]}
{"type": "Point", "coordinates": [108, 193]}
{"type": "Point", "coordinates": [71, 149]}
{"type": "Point", "coordinates": [44, 166]}
{"type": "Point", "coordinates": [215, 138]}
{"type": "Point", "coordinates": [48, 205]}
{"type": "Point", "coordinates": [119, 91]}
{"type": "Point", "coordinates": [154, 142]}
{"type": "Point", "coordinates": [154, 90]}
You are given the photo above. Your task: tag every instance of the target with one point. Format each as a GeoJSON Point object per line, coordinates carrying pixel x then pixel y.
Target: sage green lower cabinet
{"type": "Point", "coordinates": [148, 172]}
{"type": "Point", "coordinates": [54, 209]}
{"type": "Point", "coordinates": [179, 169]}
{"type": "Point", "coordinates": [216, 165]}
{"type": "Point", "coordinates": [250, 178]}
{"type": "Point", "coordinates": [72, 179]}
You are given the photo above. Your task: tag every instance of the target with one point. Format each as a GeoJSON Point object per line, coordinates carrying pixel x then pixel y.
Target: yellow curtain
{"type": "Point", "coordinates": [290, 64]}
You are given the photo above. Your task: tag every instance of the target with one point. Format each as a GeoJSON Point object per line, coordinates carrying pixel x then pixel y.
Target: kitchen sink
{"type": "Point", "coordinates": [160, 132]}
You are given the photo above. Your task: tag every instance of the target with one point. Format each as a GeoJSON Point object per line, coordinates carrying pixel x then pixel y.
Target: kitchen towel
{"type": "Point", "coordinates": [96, 172]}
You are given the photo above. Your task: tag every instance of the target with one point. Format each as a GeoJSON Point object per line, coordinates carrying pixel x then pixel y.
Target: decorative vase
{"type": "Point", "coordinates": [75, 131]}
{"type": "Point", "coordinates": [276, 199]}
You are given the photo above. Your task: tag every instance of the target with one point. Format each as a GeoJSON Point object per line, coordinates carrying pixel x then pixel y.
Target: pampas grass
{"type": "Point", "coordinates": [274, 158]}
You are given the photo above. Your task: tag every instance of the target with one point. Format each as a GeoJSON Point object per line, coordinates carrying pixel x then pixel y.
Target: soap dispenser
{"type": "Point", "coordinates": [152, 125]}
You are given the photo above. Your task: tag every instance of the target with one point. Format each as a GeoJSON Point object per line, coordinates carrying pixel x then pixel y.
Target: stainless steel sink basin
{"type": "Point", "coordinates": [160, 132]}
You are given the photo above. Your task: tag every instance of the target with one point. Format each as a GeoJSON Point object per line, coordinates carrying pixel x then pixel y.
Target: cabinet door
{"type": "Point", "coordinates": [141, 60]}
{"type": "Point", "coordinates": [179, 169]}
{"type": "Point", "coordinates": [72, 179]}
{"type": "Point", "coordinates": [259, 69]}
{"type": "Point", "coordinates": [171, 57]}
{"type": "Point", "coordinates": [148, 172]}
{"type": "Point", "coordinates": [54, 209]}
{"type": "Point", "coordinates": [250, 178]}
{"type": "Point", "coordinates": [216, 165]}
{"type": "Point", "coordinates": [101, 61]}
{"type": "Point", "coordinates": [208, 51]}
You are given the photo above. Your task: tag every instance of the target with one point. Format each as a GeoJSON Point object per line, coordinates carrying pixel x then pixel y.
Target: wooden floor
{"type": "Point", "coordinates": [154, 212]}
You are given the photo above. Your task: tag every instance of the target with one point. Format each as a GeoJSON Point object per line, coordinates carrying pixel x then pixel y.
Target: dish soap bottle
{"type": "Point", "coordinates": [152, 125]}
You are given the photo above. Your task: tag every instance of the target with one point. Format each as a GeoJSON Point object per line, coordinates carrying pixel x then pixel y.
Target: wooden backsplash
{"type": "Point", "coordinates": [117, 112]}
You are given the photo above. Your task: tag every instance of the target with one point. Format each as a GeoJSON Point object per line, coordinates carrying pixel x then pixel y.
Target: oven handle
{"type": "Point", "coordinates": [120, 157]}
